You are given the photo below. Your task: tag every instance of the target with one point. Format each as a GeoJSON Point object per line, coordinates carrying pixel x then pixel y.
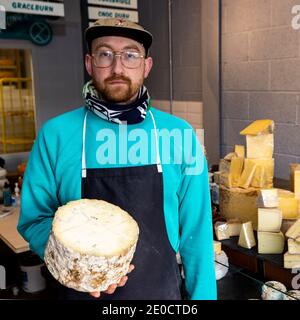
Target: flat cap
{"type": "Point", "coordinates": [118, 27]}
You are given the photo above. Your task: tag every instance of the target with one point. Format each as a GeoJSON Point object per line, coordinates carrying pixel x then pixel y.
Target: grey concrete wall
{"type": "Point", "coordinates": [186, 48]}
{"type": "Point", "coordinates": [260, 74]}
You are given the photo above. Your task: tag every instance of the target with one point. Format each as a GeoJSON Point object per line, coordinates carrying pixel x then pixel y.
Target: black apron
{"type": "Point", "coordinates": [139, 191]}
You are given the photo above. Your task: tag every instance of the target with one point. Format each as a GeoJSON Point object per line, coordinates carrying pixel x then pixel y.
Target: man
{"type": "Point", "coordinates": [115, 148]}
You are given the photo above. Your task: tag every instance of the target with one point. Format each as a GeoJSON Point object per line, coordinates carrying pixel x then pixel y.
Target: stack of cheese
{"type": "Point", "coordinates": [241, 178]}
{"type": "Point", "coordinates": [270, 238]}
{"type": "Point", "coordinates": [292, 256]}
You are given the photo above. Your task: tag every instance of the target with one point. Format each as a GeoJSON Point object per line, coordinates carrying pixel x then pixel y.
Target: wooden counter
{"type": "Point", "coordinates": [9, 233]}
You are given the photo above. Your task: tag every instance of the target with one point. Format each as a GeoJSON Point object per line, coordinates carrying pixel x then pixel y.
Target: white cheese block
{"type": "Point", "coordinates": [221, 230]}
{"type": "Point", "coordinates": [217, 247]}
{"type": "Point", "coordinates": [270, 242]}
{"type": "Point", "coordinates": [293, 246]}
{"type": "Point", "coordinates": [269, 219]}
{"type": "Point", "coordinates": [294, 231]}
{"type": "Point", "coordinates": [91, 244]}
{"type": "Point", "coordinates": [291, 261]}
{"type": "Point", "coordinates": [268, 198]}
{"type": "Point", "coordinates": [234, 227]}
{"type": "Point", "coordinates": [247, 239]}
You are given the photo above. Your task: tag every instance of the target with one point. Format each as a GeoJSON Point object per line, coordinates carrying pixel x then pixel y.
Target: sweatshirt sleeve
{"type": "Point", "coordinates": [196, 232]}
{"type": "Point", "coordinates": [38, 196]}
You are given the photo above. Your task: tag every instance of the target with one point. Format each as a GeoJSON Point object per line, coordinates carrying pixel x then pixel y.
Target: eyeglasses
{"type": "Point", "coordinates": [129, 59]}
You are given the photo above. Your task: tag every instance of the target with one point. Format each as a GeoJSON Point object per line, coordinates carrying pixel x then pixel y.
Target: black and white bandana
{"type": "Point", "coordinates": [132, 113]}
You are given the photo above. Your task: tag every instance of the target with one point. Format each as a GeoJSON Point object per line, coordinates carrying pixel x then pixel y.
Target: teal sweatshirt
{"type": "Point", "coordinates": [53, 177]}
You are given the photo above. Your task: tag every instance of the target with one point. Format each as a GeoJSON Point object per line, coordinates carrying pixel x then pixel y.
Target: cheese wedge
{"type": "Point", "coordinates": [293, 247]}
{"type": "Point", "coordinates": [268, 198]}
{"type": "Point", "coordinates": [239, 150]}
{"type": "Point", "coordinates": [247, 239]}
{"type": "Point", "coordinates": [235, 170]}
{"type": "Point", "coordinates": [270, 242]}
{"type": "Point", "coordinates": [291, 261]}
{"type": "Point", "coordinates": [259, 127]}
{"type": "Point", "coordinates": [247, 175]}
{"type": "Point", "coordinates": [294, 231]}
{"type": "Point", "coordinates": [269, 219]}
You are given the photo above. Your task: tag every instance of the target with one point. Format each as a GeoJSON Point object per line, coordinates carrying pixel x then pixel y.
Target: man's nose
{"type": "Point", "coordinates": [117, 65]}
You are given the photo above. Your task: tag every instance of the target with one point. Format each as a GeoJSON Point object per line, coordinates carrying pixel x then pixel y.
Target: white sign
{"type": "Point", "coordinates": [34, 7]}
{"type": "Point", "coordinates": [132, 4]}
{"type": "Point", "coordinates": [2, 20]}
{"type": "Point", "coordinates": [97, 13]}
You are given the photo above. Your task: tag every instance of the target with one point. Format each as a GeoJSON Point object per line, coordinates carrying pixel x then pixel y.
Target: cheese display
{"type": "Point", "coordinates": [293, 246]}
{"type": "Point", "coordinates": [270, 242]}
{"type": "Point", "coordinates": [268, 198]}
{"type": "Point", "coordinates": [91, 244]}
{"type": "Point", "coordinates": [247, 239]}
{"type": "Point", "coordinates": [269, 219]}
{"type": "Point", "coordinates": [273, 290]}
{"type": "Point", "coordinates": [291, 261]}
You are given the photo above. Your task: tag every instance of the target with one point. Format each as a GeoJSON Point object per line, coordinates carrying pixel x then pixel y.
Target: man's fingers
{"type": "Point", "coordinates": [95, 294]}
{"type": "Point", "coordinates": [111, 289]}
{"type": "Point", "coordinates": [131, 267]}
{"type": "Point", "coordinates": [123, 281]}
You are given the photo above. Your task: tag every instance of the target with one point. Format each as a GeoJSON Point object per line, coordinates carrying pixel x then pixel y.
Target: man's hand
{"type": "Point", "coordinates": [111, 289]}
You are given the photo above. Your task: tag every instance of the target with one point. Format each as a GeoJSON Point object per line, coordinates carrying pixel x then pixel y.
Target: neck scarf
{"type": "Point", "coordinates": [131, 113]}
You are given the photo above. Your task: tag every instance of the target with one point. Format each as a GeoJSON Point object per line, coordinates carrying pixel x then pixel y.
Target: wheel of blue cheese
{"type": "Point", "coordinates": [91, 244]}
{"type": "Point", "coordinates": [273, 290]}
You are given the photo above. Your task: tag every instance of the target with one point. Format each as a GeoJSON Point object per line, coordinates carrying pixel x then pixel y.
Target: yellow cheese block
{"type": "Point", "coordinates": [259, 127]}
{"type": "Point", "coordinates": [259, 179]}
{"type": "Point", "coordinates": [291, 260]}
{"type": "Point", "coordinates": [237, 203]}
{"type": "Point", "coordinates": [217, 247]}
{"type": "Point", "coordinates": [268, 198]}
{"type": "Point", "coordinates": [236, 168]}
{"type": "Point", "coordinates": [260, 147]}
{"type": "Point", "coordinates": [294, 231]}
{"type": "Point", "coordinates": [283, 193]}
{"type": "Point", "coordinates": [293, 168]}
{"type": "Point", "coordinates": [263, 178]}
{"type": "Point", "coordinates": [289, 207]}
{"type": "Point", "coordinates": [247, 174]}
{"type": "Point", "coordinates": [239, 150]}
{"type": "Point", "coordinates": [270, 242]}
{"type": "Point", "coordinates": [293, 247]}
{"type": "Point", "coordinates": [297, 183]}
{"type": "Point", "coordinates": [269, 219]}
{"type": "Point", "coordinates": [246, 238]}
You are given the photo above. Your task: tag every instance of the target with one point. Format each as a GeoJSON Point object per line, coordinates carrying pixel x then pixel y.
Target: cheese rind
{"type": "Point", "coordinates": [91, 244]}
{"type": "Point", "coordinates": [270, 242]}
{"type": "Point", "coordinates": [259, 127]}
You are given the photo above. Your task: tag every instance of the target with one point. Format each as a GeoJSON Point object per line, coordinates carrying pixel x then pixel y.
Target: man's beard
{"type": "Point", "coordinates": [122, 93]}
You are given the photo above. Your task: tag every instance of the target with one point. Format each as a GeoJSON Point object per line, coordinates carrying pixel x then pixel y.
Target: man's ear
{"type": "Point", "coordinates": [88, 64]}
{"type": "Point", "coordinates": [148, 66]}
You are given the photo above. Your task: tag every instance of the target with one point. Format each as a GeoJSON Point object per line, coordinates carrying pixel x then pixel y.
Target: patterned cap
{"type": "Point", "coordinates": [118, 27]}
